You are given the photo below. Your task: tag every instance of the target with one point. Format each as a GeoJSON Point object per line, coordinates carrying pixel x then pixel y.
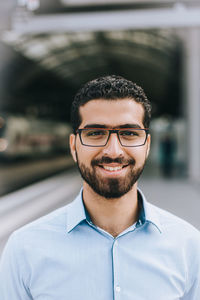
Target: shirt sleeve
{"type": "Point", "coordinates": [193, 269]}
{"type": "Point", "coordinates": [11, 273]}
{"type": "Point", "coordinates": [194, 292]}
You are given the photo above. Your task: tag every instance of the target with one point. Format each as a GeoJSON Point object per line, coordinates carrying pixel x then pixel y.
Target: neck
{"type": "Point", "coordinates": [112, 215]}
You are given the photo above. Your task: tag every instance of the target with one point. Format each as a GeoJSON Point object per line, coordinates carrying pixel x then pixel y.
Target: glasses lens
{"type": "Point", "coordinates": [132, 137]}
{"type": "Point", "coordinates": [94, 137]}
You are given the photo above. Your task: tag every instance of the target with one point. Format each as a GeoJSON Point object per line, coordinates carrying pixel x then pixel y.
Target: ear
{"type": "Point", "coordinates": [72, 143]}
{"type": "Point", "coordinates": [148, 144]}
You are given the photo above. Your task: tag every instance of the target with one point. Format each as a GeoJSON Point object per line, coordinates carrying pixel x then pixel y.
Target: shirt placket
{"type": "Point", "coordinates": [116, 271]}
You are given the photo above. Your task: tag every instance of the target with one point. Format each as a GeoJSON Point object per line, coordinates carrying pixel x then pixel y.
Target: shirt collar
{"type": "Point", "coordinates": [76, 212]}
{"type": "Point", "coordinates": [148, 212]}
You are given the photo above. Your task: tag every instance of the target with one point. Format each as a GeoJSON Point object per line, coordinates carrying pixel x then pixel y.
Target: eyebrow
{"type": "Point", "coordinates": [119, 126]}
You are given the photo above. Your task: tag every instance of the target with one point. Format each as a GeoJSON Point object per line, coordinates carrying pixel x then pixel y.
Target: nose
{"type": "Point", "coordinates": [113, 147]}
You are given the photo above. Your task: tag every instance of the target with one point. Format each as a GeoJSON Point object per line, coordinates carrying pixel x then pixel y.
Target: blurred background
{"type": "Point", "coordinates": [48, 49]}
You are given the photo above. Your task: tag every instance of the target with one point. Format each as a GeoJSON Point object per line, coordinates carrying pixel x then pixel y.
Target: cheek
{"type": "Point", "coordinates": [86, 154]}
{"type": "Point", "coordinates": [138, 153]}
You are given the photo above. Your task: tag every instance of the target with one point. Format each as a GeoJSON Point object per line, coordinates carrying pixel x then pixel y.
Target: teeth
{"type": "Point", "coordinates": [112, 168]}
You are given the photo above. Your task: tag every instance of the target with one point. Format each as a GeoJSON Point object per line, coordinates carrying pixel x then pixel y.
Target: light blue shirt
{"type": "Point", "coordinates": [63, 256]}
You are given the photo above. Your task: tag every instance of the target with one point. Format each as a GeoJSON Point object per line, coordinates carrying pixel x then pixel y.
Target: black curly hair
{"type": "Point", "coordinates": [109, 88]}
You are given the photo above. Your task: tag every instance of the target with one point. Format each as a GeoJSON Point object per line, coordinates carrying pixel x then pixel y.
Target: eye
{"type": "Point", "coordinates": [95, 133]}
{"type": "Point", "coordinates": [129, 133]}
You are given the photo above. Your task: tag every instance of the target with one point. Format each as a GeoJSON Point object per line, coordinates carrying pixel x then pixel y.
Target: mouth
{"type": "Point", "coordinates": [112, 169]}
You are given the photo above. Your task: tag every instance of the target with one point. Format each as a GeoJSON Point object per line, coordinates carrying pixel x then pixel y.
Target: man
{"type": "Point", "coordinates": [109, 243]}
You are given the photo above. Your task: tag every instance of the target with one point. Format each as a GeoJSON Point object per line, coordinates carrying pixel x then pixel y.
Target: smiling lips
{"type": "Point", "coordinates": [113, 168]}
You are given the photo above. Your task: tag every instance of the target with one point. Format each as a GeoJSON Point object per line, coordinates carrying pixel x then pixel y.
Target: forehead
{"type": "Point", "coordinates": [112, 112]}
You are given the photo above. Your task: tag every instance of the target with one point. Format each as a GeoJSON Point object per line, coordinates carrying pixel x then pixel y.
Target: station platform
{"type": "Point", "coordinates": [177, 195]}
{"type": "Point", "coordinates": [17, 174]}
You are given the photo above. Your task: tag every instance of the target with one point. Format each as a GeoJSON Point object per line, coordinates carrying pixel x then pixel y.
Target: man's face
{"type": "Point", "coordinates": [126, 163]}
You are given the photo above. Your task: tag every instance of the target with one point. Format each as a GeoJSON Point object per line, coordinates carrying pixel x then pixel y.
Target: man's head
{"type": "Point", "coordinates": [109, 88]}
{"type": "Point", "coordinates": [110, 161]}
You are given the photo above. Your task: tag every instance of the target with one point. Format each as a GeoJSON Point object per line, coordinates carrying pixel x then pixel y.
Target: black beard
{"type": "Point", "coordinates": [112, 187]}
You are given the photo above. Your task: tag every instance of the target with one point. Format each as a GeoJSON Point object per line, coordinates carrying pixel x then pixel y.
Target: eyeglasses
{"type": "Point", "coordinates": [98, 137]}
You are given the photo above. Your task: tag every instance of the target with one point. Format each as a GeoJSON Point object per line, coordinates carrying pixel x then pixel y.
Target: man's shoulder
{"type": "Point", "coordinates": [55, 221]}
{"type": "Point", "coordinates": [48, 230]}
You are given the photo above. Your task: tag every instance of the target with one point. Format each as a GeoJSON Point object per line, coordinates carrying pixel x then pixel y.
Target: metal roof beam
{"type": "Point", "coordinates": [103, 2]}
{"type": "Point", "coordinates": [106, 21]}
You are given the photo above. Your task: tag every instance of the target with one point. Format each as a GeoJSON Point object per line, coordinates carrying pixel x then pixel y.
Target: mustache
{"type": "Point", "coordinates": [109, 160]}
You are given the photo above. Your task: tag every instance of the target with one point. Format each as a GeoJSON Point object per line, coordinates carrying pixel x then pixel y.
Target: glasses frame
{"type": "Point", "coordinates": [112, 130]}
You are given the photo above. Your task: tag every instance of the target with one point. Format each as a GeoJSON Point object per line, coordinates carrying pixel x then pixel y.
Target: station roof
{"type": "Point", "coordinates": [43, 69]}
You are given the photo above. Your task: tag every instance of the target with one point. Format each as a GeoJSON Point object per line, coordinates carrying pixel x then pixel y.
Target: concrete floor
{"type": "Point", "coordinates": [176, 194]}
{"type": "Point", "coordinates": [179, 196]}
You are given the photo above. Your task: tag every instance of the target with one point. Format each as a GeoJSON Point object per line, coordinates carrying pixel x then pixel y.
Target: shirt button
{"type": "Point", "coordinates": [118, 289]}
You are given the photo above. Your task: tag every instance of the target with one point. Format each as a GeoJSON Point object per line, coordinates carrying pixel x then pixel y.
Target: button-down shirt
{"type": "Point", "coordinates": [63, 256]}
